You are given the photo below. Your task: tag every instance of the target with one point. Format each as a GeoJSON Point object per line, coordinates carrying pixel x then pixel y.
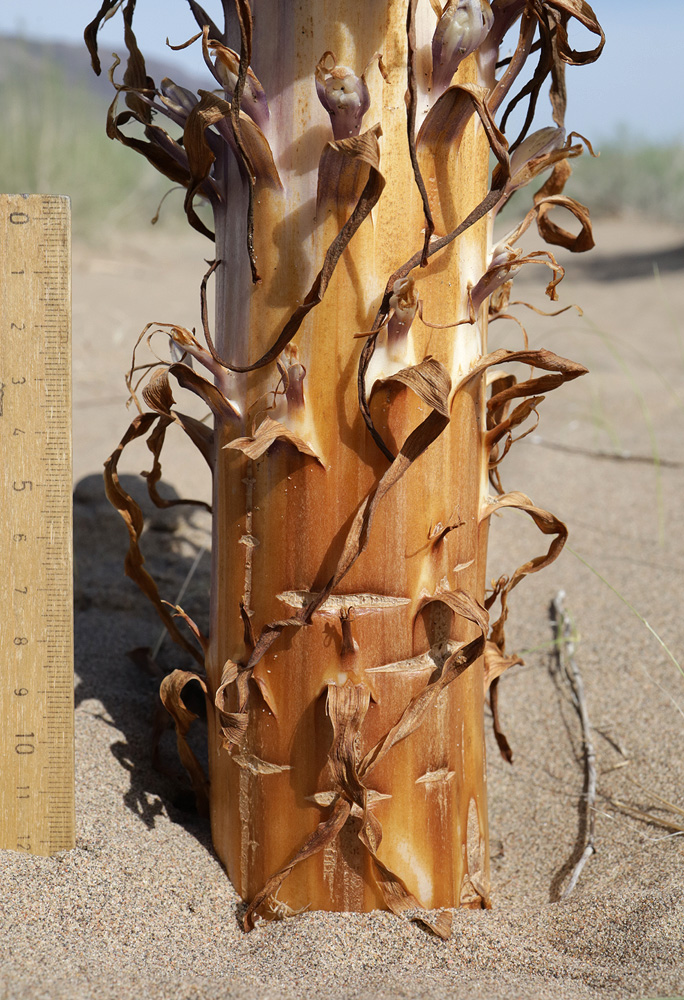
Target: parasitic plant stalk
{"type": "Point", "coordinates": [359, 422]}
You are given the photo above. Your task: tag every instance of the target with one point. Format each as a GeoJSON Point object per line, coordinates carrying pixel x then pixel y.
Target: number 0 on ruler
{"type": "Point", "coordinates": [36, 636]}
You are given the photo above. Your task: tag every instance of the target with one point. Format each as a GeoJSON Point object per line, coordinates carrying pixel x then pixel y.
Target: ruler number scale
{"type": "Point", "coordinates": [36, 639]}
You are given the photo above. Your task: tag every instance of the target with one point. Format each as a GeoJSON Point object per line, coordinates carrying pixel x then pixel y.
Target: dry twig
{"type": "Point", "coordinates": [567, 665]}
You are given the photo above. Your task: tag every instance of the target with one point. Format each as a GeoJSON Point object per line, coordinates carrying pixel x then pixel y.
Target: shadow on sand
{"type": "Point", "coordinates": [113, 619]}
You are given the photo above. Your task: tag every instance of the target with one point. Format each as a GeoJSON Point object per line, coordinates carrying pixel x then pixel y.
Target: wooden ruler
{"type": "Point", "coordinates": [36, 618]}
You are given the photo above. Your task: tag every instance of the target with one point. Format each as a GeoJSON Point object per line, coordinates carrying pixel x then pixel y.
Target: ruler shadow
{"type": "Point", "coordinates": [116, 631]}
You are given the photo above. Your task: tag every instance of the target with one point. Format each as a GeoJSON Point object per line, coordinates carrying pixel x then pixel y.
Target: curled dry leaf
{"type": "Point", "coordinates": [548, 524]}
{"type": "Point", "coordinates": [134, 564]}
{"type": "Point", "coordinates": [429, 380]}
{"type": "Point", "coordinates": [155, 442]}
{"type": "Point", "coordinates": [344, 169]}
{"type": "Point", "coordinates": [504, 746]}
{"type": "Point", "coordinates": [267, 433]}
{"type": "Point", "coordinates": [496, 663]}
{"type": "Point", "coordinates": [323, 835]}
{"type": "Point", "coordinates": [171, 694]}
{"type": "Point", "coordinates": [258, 160]}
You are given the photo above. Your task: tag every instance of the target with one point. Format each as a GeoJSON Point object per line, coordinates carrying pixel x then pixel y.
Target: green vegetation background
{"type": "Point", "coordinates": [54, 142]}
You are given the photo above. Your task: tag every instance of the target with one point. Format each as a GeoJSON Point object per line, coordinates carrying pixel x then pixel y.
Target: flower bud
{"type": "Point", "coordinates": [404, 304]}
{"type": "Point", "coordinates": [343, 94]}
{"type": "Point", "coordinates": [461, 29]}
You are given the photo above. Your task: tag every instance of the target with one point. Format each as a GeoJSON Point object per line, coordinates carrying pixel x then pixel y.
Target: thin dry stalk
{"type": "Point", "coordinates": [564, 649]}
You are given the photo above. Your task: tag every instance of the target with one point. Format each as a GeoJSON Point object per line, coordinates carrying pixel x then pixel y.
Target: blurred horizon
{"type": "Point", "coordinates": [54, 109]}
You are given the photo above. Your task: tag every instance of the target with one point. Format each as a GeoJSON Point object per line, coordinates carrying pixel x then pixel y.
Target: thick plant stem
{"type": "Point", "coordinates": [359, 421]}
{"type": "Point", "coordinates": [281, 520]}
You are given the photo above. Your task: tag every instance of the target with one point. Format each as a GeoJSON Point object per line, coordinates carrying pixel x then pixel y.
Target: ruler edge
{"type": "Point", "coordinates": [67, 647]}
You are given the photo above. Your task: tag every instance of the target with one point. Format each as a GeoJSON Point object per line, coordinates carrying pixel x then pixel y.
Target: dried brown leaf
{"type": "Point", "coordinates": [414, 714]}
{"type": "Point", "coordinates": [501, 741]}
{"type": "Point", "coordinates": [411, 108]}
{"type": "Point", "coordinates": [346, 706]}
{"type": "Point", "coordinates": [560, 370]}
{"type": "Point", "coordinates": [171, 693]}
{"type": "Point", "coordinates": [344, 166]}
{"type": "Point", "coordinates": [155, 443]}
{"type": "Point", "coordinates": [132, 515]}
{"type": "Point", "coordinates": [580, 10]}
{"type": "Point", "coordinates": [496, 663]}
{"type": "Point", "coordinates": [323, 835]}
{"type": "Point", "coordinates": [255, 765]}
{"type": "Point", "coordinates": [222, 409]}
{"type": "Point", "coordinates": [429, 380]}
{"type": "Point", "coordinates": [547, 523]}
{"type": "Point", "coordinates": [267, 433]}
{"type": "Point", "coordinates": [259, 163]}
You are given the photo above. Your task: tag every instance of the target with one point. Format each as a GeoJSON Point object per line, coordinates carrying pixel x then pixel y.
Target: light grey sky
{"type": "Point", "coordinates": [637, 83]}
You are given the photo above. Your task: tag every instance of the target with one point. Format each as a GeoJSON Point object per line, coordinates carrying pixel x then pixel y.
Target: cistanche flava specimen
{"type": "Point", "coordinates": [359, 422]}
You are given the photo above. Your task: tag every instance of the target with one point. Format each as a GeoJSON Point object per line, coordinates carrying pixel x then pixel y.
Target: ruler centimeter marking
{"type": "Point", "coordinates": [36, 551]}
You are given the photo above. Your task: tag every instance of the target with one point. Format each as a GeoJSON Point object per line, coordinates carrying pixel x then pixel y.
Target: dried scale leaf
{"type": "Point", "coordinates": [504, 746]}
{"type": "Point", "coordinates": [429, 380]}
{"type": "Point", "coordinates": [580, 10]}
{"type": "Point", "coordinates": [180, 613]}
{"type": "Point", "coordinates": [233, 723]}
{"type": "Point", "coordinates": [324, 834]}
{"type": "Point", "coordinates": [203, 20]}
{"type": "Point", "coordinates": [560, 370]}
{"type": "Point", "coordinates": [267, 433]}
{"type": "Point", "coordinates": [344, 169]}
{"type": "Point", "coordinates": [155, 443]}
{"type": "Point", "coordinates": [414, 715]}
{"type": "Point", "coordinates": [171, 694]}
{"type": "Point", "coordinates": [496, 663]}
{"type": "Point", "coordinates": [134, 564]}
{"type": "Point", "coordinates": [163, 153]}
{"type": "Point", "coordinates": [243, 12]}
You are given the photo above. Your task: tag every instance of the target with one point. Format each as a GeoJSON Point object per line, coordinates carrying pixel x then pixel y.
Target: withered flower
{"type": "Point", "coordinates": [461, 29]}
{"type": "Point", "coordinates": [227, 65]}
{"type": "Point", "coordinates": [539, 144]}
{"type": "Point", "coordinates": [343, 94]}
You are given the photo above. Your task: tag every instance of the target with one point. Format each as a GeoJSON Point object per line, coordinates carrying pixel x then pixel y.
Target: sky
{"type": "Point", "coordinates": [636, 84]}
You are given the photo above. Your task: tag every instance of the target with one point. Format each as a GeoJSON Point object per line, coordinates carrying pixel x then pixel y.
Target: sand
{"type": "Point", "coordinates": [142, 907]}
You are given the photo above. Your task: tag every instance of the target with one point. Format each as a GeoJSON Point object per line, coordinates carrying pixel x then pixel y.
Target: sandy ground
{"type": "Point", "coordinates": [142, 906]}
